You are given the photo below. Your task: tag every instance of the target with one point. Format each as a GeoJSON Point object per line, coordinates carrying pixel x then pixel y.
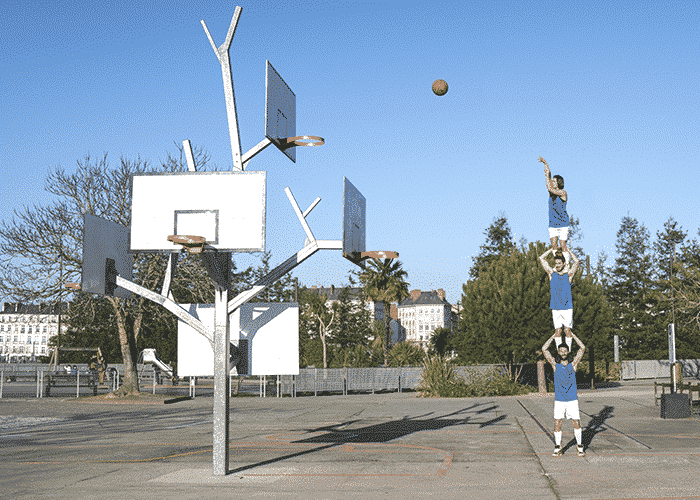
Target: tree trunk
{"type": "Point", "coordinates": [131, 379]}
{"type": "Point", "coordinates": [322, 334]}
{"type": "Point", "coordinates": [387, 333]}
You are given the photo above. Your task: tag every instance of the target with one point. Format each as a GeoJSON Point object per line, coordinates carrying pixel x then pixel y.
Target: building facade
{"type": "Point", "coordinates": [25, 330]}
{"type": "Point", "coordinates": [421, 314]}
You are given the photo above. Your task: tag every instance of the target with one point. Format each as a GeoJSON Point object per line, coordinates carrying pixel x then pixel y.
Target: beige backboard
{"type": "Point", "coordinates": [227, 208]}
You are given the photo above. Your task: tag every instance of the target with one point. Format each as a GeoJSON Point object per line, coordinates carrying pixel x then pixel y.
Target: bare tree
{"type": "Point", "coordinates": [41, 248]}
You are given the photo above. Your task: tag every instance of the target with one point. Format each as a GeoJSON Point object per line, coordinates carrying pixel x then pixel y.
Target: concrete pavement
{"type": "Point", "coordinates": [357, 446]}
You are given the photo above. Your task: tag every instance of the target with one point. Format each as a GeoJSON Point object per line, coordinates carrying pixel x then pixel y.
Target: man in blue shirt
{"type": "Point", "coordinates": [558, 216]}
{"type": "Point", "coordinates": [565, 395]}
{"type": "Point", "coordinates": [560, 303]}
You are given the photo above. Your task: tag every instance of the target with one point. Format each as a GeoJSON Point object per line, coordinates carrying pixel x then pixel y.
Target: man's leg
{"type": "Point", "coordinates": [569, 338]}
{"type": "Point", "coordinates": [578, 435]}
{"type": "Point", "coordinates": [557, 436]}
{"type": "Point", "coordinates": [554, 242]}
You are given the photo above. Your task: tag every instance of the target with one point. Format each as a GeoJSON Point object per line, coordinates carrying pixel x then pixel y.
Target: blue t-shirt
{"type": "Point", "coordinates": [560, 291]}
{"type": "Point", "coordinates": [565, 383]}
{"type": "Point", "coordinates": [557, 212]}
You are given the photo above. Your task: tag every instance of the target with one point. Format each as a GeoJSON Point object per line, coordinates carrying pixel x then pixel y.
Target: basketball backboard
{"type": "Point", "coordinates": [266, 335]}
{"type": "Point", "coordinates": [226, 208]}
{"type": "Point", "coordinates": [354, 221]}
{"type": "Point", "coordinates": [280, 111]}
{"type": "Point", "coordinates": [105, 247]}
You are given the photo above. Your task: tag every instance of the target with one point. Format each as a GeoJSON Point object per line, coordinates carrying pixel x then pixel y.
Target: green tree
{"type": "Point", "coordinates": [406, 354]}
{"type": "Point", "coordinates": [499, 241]}
{"type": "Point", "coordinates": [631, 293]}
{"type": "Point", "coordinates": [441, 342]}
{"type": "Point", "coordinates": [506, 316]}
{"type": "Point", "coordinates": [353, 323]}
{"type": "Point", "coordinates": [384, 281]}
{"type": "Point", "coordinates": [685, 300]}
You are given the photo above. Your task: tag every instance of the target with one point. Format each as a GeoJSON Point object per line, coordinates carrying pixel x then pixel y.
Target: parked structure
{"type": "Point", "coordinates": [25, 330]}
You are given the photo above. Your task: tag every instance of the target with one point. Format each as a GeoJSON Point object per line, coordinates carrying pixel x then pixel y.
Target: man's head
{"type": "Point", "coordinates": [559, 261]}
{"type": "Point", "coordinates": [562, 352]}
{"type": "Point", "coordinates": [560, 181]}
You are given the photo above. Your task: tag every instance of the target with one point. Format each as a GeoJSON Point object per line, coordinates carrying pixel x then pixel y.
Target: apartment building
{"type": "Point", "coordinates": [421, 314]}
{"type": "Point", "coordinates": [25, 330]}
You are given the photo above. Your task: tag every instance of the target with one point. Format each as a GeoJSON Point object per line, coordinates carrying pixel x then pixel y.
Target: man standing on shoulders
{"type": "Point", "coordinates": [558, 217]}
{"type": "Point", "coordinates": [561, 303]}
{"type": "Point", "coordinates": [565, 395]}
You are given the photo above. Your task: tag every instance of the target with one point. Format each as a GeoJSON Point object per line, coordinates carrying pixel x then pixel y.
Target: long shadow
{"type": "Point", "coordinates": [344, 433]}
{"type": "Point", "coordinates": [595, 426]}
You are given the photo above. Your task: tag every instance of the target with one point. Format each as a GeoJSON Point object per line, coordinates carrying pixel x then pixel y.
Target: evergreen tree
{"type": "Point", "coordinates": [441, 342]}
{"type": "Point", "coordinates": [632, 295]}
{"type": "Point", "coordinates": [506, 316]}
{"type": "Point", "coordinates": [685, 300]}
{"type": "Point", "coordinates": [499, 241]}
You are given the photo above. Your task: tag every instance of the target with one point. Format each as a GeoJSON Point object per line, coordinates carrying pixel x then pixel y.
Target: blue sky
{"type": "Point", "coordinates": [606, 92]}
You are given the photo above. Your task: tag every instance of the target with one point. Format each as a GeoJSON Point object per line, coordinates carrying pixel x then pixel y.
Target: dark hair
{"type": "Point", "coordinates": [560, 181]}
{"type": "Point", "coordinates": [558, 358]}
{"type": "Point", "coordinates": [559, 256]}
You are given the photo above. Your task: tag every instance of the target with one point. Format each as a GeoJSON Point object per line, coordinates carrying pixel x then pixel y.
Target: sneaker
{"type": "Point", "coordinates": [557, 451]}
{"type": "Point", "coordinates": [581, 453]}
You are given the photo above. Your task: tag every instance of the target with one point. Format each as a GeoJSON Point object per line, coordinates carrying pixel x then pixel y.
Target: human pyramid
{"type": "Point", "coordinates": [561, 304]}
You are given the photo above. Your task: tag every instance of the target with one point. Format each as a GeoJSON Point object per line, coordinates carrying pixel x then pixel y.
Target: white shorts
{"type": "Point", "coordinates": [559, 232]}
{"type": "Point", "coordinates": [566, 409]}
{"type": "Point", "coordinates": [563, 318]}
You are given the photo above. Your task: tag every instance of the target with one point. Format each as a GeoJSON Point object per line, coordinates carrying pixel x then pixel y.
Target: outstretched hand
{"type": "Point", "coordinates": [542, 160]}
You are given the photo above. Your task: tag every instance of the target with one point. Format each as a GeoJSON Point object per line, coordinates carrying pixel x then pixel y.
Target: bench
{"type": "Point", "coordinates": [57, 379]}
{"type": "Point", "coordinates": [680, 387]}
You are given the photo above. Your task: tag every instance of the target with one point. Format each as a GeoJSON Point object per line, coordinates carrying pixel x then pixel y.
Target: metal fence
{"type": "Point", "coordinates": [28, 380]}
{"type": "Point", "coordinates": [658, 368]}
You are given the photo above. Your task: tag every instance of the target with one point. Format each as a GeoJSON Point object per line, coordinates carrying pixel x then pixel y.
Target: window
{"type": "Point", "coordinates": [1, 339]}
{"type": "Point", "coordinates": [43, 350]}
{"type": "Point", "coordinates": [22, 331]}
{"type": "Point", "coordinates": [43, 339]}
{"type": "Point", "coordinates": [44, 328]}
{"type": "Point", "coordinates": [30, 329]}
{"type": "Point", "coordinates": [16, 337]}
{"type": "Point", "coordinates": [29, 340]}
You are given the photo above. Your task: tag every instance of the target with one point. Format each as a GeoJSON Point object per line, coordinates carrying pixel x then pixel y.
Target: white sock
{"type": "Point", "coordinates": [566, 256]}
{"type": "Point", "coordinates": [557, 438]}
{"type": "Point", "coordinates": [577, 433]}
{"type": "Point", "coordinates": [569, 341]}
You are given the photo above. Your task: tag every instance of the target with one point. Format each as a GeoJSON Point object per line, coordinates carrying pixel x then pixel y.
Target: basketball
{"type": "Point", "coordinates": [440, 87]}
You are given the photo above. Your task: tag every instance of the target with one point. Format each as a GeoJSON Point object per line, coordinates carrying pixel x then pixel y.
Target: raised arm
{"type": "Point", "coordinates": [544, 262]}
{"type": "Point", "coordinates": [574, 267]}
{"type": "Point", "coordinates": [547, 172]}
{"type": "Point", "coordinates": [547, 355]}
{"type": "Point", "coordinates": [580, 352]}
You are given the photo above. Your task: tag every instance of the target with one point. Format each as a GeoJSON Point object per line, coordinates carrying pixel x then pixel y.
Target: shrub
{"type": "Point", "coordinates": [440, 379]}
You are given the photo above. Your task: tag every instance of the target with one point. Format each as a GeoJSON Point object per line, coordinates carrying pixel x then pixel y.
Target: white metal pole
{"type": "Point", "coordinates": [221, 372]}
{"type": "Point", "coordinates": [77, 384]}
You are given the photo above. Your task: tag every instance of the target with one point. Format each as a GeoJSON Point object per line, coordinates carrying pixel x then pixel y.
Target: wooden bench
{"type": "Point", "coordinates": [57, 379]}
{"type": "Point", "coordinates": [681, 387]}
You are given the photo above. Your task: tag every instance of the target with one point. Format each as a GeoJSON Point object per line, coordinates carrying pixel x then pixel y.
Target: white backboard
{"type": "Point", "coordinates": [227, 208]}
{"type": "Point", "coordinates": [354, 220]}
{"type": "Point", "coordinates": [266, 333]}
{"type": "Point", "coordinates": [102, 240]}
{"type": "Point", "coordinates": [280, 110]}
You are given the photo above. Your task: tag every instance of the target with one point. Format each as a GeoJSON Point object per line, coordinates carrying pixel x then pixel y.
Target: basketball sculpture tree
{"type": "Point", "coordinates": [214, 214]}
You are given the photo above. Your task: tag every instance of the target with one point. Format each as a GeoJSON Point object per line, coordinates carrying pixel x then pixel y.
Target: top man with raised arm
{"type": "Point", "coordinates": [558, 217]}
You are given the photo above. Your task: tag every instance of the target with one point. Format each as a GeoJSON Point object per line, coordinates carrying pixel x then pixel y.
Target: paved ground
{"type": "Point", "coordinates": [358, 446]}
